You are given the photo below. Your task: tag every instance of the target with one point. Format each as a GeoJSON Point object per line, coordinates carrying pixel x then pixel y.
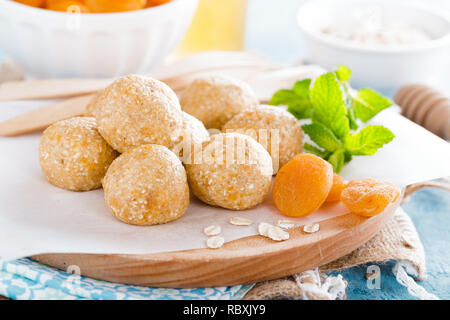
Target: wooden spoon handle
{"type": "Point", "coordinates": [43, 117]}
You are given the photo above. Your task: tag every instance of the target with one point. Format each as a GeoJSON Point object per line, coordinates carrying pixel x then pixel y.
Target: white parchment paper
{"type": "Point", "coordinates": [36, 217]}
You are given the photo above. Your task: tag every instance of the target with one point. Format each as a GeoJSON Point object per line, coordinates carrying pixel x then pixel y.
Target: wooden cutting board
{"type": "Point", "coordinates": [245, 260]}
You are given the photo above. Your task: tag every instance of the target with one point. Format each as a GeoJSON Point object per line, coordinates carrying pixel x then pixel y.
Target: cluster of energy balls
{"type": "Point", "coordinates": [148, 149]}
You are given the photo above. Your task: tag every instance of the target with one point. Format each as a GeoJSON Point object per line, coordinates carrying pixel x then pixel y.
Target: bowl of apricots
{"type": "Point", "coordinates": [92, 38]}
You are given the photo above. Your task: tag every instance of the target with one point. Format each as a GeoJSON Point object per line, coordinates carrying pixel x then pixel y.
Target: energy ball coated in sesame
{"type": "Point", "coordinates": [195, 127]}
{"type": "Point", "coordinates": [232, 171]}
{"type": "Point", "coordinates": [91, 107]}
{"type": "Point", "coordinates": [73, 155]}
{"type": "Point", "coordinates": [275, 128]}
{"type": "Point", "coordinates": [147, 185]}
{"type": "Point", "coordinates": [194, 133]}
{"type": "Point", "coordinates": [136, 110]}
{"type": "Point", "coordinates": [215, 99]}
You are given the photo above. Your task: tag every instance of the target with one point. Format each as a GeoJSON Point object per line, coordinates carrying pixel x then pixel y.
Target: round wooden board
{"type": "Point", "coordinates": [245, 260]}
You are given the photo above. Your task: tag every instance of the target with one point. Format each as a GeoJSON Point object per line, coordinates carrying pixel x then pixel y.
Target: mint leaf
{"type": "Point", "coordinates": [348, 157]}
{"type": "Point", "coordinates": [349, 105]}
{"type": "Point", "coordinates": [352, 119]}
{"type": "Point", "coordinates": [301, 88]}
{"type": "Point", "coordinates": [297, 99]}
{"type": "Point", "coordinates": [300, 110]}
{"type": "Point", "coordinates": [322, 136]}
{"type": "Point", "coordinates": [328, 104]}
{"type": "Point", "coordinates": [309, 148]}
{"type": "Point", "coordinates": [367, 103]}
{"type": "Point", "coordinates": [283, 97]}
{"type": "Point", "coordinates": [343, 73]}
{"type": "Point", "coordinates": [337, 160]}
{"type": "Point", "coordinates": [368, 140]}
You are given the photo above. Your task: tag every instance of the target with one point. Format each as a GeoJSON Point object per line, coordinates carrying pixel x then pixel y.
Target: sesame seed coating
{"type": "Point", "coordinates": [147, 185]}
{"type": "Point", "coordinates": [232, 171]}
{"type": "Point", "coordinates": [136, 110]}
{"type": "Point", "coordinates": [73, 155]}
{"type": "Point", "coordinates": [215, 99]}
{"type": "Point", "coordinates": [275, 128]}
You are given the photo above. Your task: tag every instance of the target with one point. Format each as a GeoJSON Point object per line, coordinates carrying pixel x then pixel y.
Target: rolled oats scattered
{"type": "Point", "coordinates": [239, 221]}
{"type": "Point", "coordinates": [285, 224]}
{"type": "Point", "coordinates": [215, 242]}
{"type": "Point", "coordinates": [311, 228]}
{"type": "Point", "coordinates": [212, 230]}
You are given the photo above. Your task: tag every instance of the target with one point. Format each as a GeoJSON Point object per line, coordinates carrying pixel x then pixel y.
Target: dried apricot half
{"type": "Point", "coordinates": [369, 197]}
{"type": "Point", "coordinates": [339, 184]}
{"type": "Point", "coordinates": [302, 185]}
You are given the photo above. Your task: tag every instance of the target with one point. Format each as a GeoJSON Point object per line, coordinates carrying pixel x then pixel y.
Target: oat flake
{"type": "Point", "coordinates": [215, 242]}
{"type": "Point", "coordinates": [277, 234]}
{"type": "Point", "coordinates": [311, 228]}
{"type": "Point", "coordinates": [239, 221]}
{"type": "Point", "coordinates": [285, 224]}
{"type": "Point", "coordinates": [263, 229]}
{"type": "Point", "coordinates": [212, 230]}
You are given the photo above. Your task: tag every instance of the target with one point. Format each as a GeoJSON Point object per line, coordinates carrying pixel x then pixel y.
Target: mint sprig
{"type": "Point", "coordinates": [334, 109]}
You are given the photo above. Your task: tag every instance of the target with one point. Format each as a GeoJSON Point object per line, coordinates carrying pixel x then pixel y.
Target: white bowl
{"type": "Point", "coordinates": [58, 44]}
{"type": "Point", "coordinates": [382, 68]}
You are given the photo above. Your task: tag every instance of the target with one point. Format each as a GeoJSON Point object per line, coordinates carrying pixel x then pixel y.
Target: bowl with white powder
{"type": "Point", "coordinates": [386, 44]}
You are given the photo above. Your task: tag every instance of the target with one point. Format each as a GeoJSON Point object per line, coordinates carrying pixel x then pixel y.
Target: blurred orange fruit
{"type": "Point", "coordinates": [67, 6]}
{"type": "Point", "coordinates": [33, 3]}
{"type": "Point", "coordinates": [105, 6]}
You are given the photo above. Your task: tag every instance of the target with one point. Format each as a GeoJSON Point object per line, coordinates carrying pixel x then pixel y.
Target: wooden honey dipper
{"type": "Point", "coordinates": [426, 107]}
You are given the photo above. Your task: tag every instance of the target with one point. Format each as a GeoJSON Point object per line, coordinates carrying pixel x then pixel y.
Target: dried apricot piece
{"type": "Point", "coordinates": [339, 184]}
{"type": "Point", "coordinates": [369, 197]}
{"type": "Point", "coordinates": [302, 185]}
{"type": "Point", "coordinates": [105, 6]}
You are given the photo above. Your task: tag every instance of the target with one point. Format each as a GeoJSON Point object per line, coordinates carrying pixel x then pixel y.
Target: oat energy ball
{"type": "Point", "coordinates": [147, 185]}
{"type": "Point", "coordinates": [194, 127]}
{"type": "Point", "coordinates": [194, 133]}
{"type": "Point", "coordinates": [136, 110]}
{"type": "Point", "coordinates": [215, 99]}
{"type": "Point", "coordinates": [276, 129]}
{"type": "Point", "coordinates": [73, 155]}
{"type": "Point", "coordinates": [232, 171]}
{"type": "Point", "coordinates": [91, 107]}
